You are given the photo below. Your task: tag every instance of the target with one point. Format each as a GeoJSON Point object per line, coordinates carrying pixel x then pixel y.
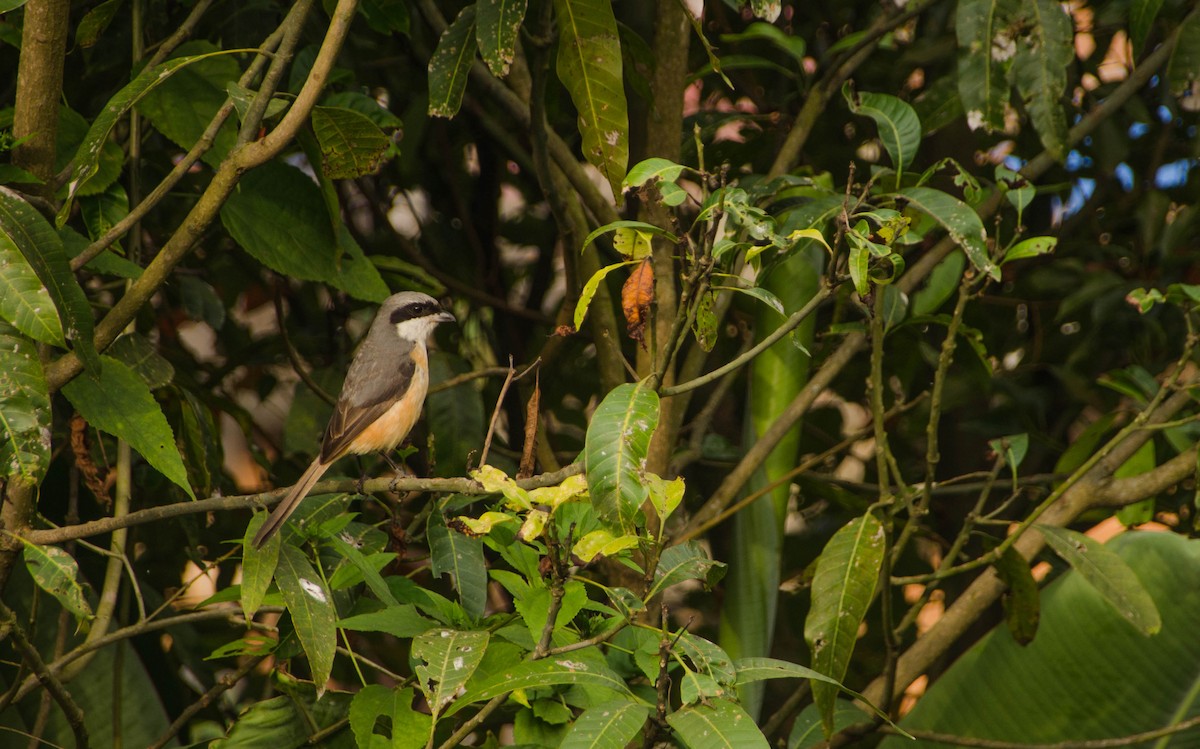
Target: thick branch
{"type": "Point", "coordinates": [39, 81]}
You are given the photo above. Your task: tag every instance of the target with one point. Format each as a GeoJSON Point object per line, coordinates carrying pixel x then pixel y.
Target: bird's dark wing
{"type": "Point", "coordinates": [375, 382]}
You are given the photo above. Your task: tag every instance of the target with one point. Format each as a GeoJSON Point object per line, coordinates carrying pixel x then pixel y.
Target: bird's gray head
{"type": "Point", "coordinates": [412, 315]}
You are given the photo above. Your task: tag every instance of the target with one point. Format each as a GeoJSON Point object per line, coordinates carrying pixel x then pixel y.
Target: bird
{"type": "Point", "coordinates": [381, 396]}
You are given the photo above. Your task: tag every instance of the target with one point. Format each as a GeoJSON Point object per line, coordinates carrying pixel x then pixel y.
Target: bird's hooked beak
{"type": "Point", "coordinates": [444, 316]}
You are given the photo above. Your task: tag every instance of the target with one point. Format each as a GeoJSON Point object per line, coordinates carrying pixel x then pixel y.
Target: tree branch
{"type": "Point", "coordinates": [29, 653]}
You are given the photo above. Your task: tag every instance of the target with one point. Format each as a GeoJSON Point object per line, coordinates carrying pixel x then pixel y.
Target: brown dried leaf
{"type": "Point", "coordinates": [93, 477]}
{"type": "Point", "coordinates": [636, 296]}
{"type": "Point", "coordinates": [525, 470]}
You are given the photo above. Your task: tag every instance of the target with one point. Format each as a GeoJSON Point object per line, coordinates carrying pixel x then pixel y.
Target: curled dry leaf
{"type": "Point", "coordinates": [636, 295]}
{"type": "Point", "coordinates": [528, 462]}
{"type": "Point", "coordinates": [93, 477]}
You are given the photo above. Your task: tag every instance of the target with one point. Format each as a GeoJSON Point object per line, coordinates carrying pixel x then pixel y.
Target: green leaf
{"type": "Point", "coordinates": [758, 669]}
{"type": "Point", "coordinates": [409, 728]}
{"type": "Point", "coordinates": [1141, 17]}
{"type": "Point", "coordinates": [120, 403]}
{"type": "Point", "coordinates": [103, 210]}
{"type": "Point", "coordinates": [1183, 69]}
{"type": "Point", "coordinates": [985, 46]}
{"type": "Point", "coordinates": [589, 65]}
{"type": "Point", "coordinates": [243, 99]}
{"type": "Point", "coordinates": [310, 603]}
{"type": "Point", "coordinates": [602, 542]}
{"type": "Point", "coordinates": [534, 607]}
{"type": "Point", "coordinates": [499, 21]}
{"type": "Point", "coordinates": [899, 127]}
{"type": "Point", "coordinates": [24, 228]}
{"type": "Point", "coordinates": [364, 104]}
{"type": "Point", "coordinates": [1031, 247]}
{"type": "Point", "coordinates": [25, 416]}
{"type": "Point", "coordinates": [859, 264]}
{"type": "Point", "coordinates": [609, 725]}
{"type": "Point", "coordinates": [720, 724]}
{"type": "Point", "coordinates": [386, 16]}
{"type": "Point", "coordinates": [287, 720]}
{"type": "Point", "coordinates": [640, 226]}
{"type": "Point", "coordinates": [1013, 448]}
{"type": "Point", "coordinates": [372, 577]}
{"type": "Point", "coordinates": [686, 561]}
{"type": "Point", "coordinates": [1142, 461]}
{"type": "Point", "coordinates": [448, 659]}
{"type": "Point", "coordinates": [1021, 605]}
{"type": "Point", "coordinates": [569, 668]}
{"type": "Point", "coordinates": [351, 144]}
{"type": "Point", "coordinates": [589, 290]}
{"type": "Point", "coordinates": [456, 418]}
{"type": "Point", "coordinates": [943, 280]}
{"type": "Point", "coordinates": [708, 658]}
{"type": "Point", "coordinates": [1088, 676]}
{"type": "Point", "coordinates": [450, 64]}
{"type": "Point", "coordinates": [139, 355]}
{"type": "Point", "coordinates": [258, 565]}
{"type": "Point", "coordinates": [87, 158]}
{"type": "Point", "coordinates": [616, 445]}
{"type": "Point", "coordinates": [277, 215]}
{"type": "Point", "coordinates": [55, 571]}
{"type": "Point", "coordinates": [657, 169]}
{"type": "Point", "coordinates": [95, 21]}
{"type": "Point", "coordinates": [461, 557]}
{"type": "Point", "coordinates": [842, 588]}
{"type": "Point", "coordinates": [401, 621]}
{"type": "Point", "coordinates": [959, 220]}
{"type": "Point", "coordinates": [806, 731]}
{"type": "Point", "coordinates": [1039, 70]}
{"type": "Point", "coordinates": [1108, 574]}
{"type": "Point", "coordinates": [794, 46]}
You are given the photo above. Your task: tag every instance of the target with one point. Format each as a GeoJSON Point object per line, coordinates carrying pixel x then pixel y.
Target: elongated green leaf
{"type": "Point", "coordinates": [708, 658]}
{"type": "Point", "coordinates": [24, 228]}
{"type": "Point", "coordinates": [449, 658]}
{"type": "Point", "coordinates": [372, 577]}
{"type": "Point", "coordinates": [686, 562]}
{"type": "Point", "coordinates": [277, 215]}
{"type": "Point", "coordinates": [496, 31]}
{"type": "Point", "coordinates": [25, 416]}
{"type": "Point", "coordinates": [87, 159]}
{"type": "Point", "coordinates": [310, 603]}
{"type": "Point", "coordinates": [462, 558]}
{"type": "Point", "coordinates": [258, 565]}
{"type": "Point", "coordinates": [1108, 574]}
{"type": "Point", "coordinates": [400, 621]}
{"type": "Point", "coordinates": [640, 226]}
{"type": "Point", "coordinates": [960, 222]}
{"type": "Point", "coordinates": [409, 728]}
{"type": "Point", "coordinates": [121, 404]}
{"type": "Point", "coordinates": [842, 588]}
{"type": "Point", "coordinates": [899, 127]}
{"type": "Point", "coordinates": [1184, 67]}
{"type": "Point", "coordinates": [1141, 17]}
{"type": "Point", "coordinates": [139, 355]}
{"type": "Point", "coordinates": [1040, 70]}
{"type": "Point", "coordinates": [182, 107]}
{"type": "Point", "coordinates": [24, 301]}
{"type": "Point", "coordinates": [450, 63]}
{"type": "Point", "coordinates": [609, 725]}
{"type": "Point", "coordinates": [55, 571]}
{"type": "Point", "coordinates": [570, 668]}
{"type": "Point", "coordinates": [758, 669]}
{"type": "Point", "coordinates": [351, 144]}
{"type": "Point", "coordinates": [589, 65]}
{"type": "Point", "coordinates": [985, 47]}
{"type": "Point", "coordinates": [794, 46]}
{"type": "Point", "coordinates": [614, 449]}
{"type": "Point", "coordinates": [720, 724]}
{"type": "Point", "coordinates": [1021, 609]}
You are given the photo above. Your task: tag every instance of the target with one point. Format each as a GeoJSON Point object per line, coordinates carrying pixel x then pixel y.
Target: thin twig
{"type": "Point", "coordinates": [222, 685]}
{"type": "Point", "coordinates": [508, 380]}
{"type": "Point", "coordinates": [294, 355]}
{"type": "Point", "coordinates": [29, 654]}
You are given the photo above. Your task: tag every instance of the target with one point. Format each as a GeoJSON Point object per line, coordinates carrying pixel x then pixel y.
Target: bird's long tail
{"type": "Point", "coordinates": [290, 502]}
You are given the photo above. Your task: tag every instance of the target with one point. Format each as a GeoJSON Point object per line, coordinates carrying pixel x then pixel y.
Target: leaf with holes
{"type": "Point", "coordinates": [447, 659]}
{"type": "Point", "coordinates": [450, 63]}
{"type": "Point", "coordinates": [351, 144]}
{"type": "Point", "coordinates": [25, 416]}
{"type": "Point", "coordinates": [1039, 70]}
{"type": "Point", "coordinates": [499, 21]}
{"type": "Point", "coordinates": [55, 571]}
{"type": "Point", "coordinates": [409, 728]}
{"type": "Point", "coordinates": [614, 450]}
{"type": "Point", "coordinates": [842, 588]}
{"type": "Point", "coordinates": [24, 228]}
{"type": "Point", "coordinates": [589, 65]}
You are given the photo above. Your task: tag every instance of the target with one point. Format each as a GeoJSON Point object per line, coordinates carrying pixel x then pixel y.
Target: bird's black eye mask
{"type": "Point", "coordinates": [413, 311]}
